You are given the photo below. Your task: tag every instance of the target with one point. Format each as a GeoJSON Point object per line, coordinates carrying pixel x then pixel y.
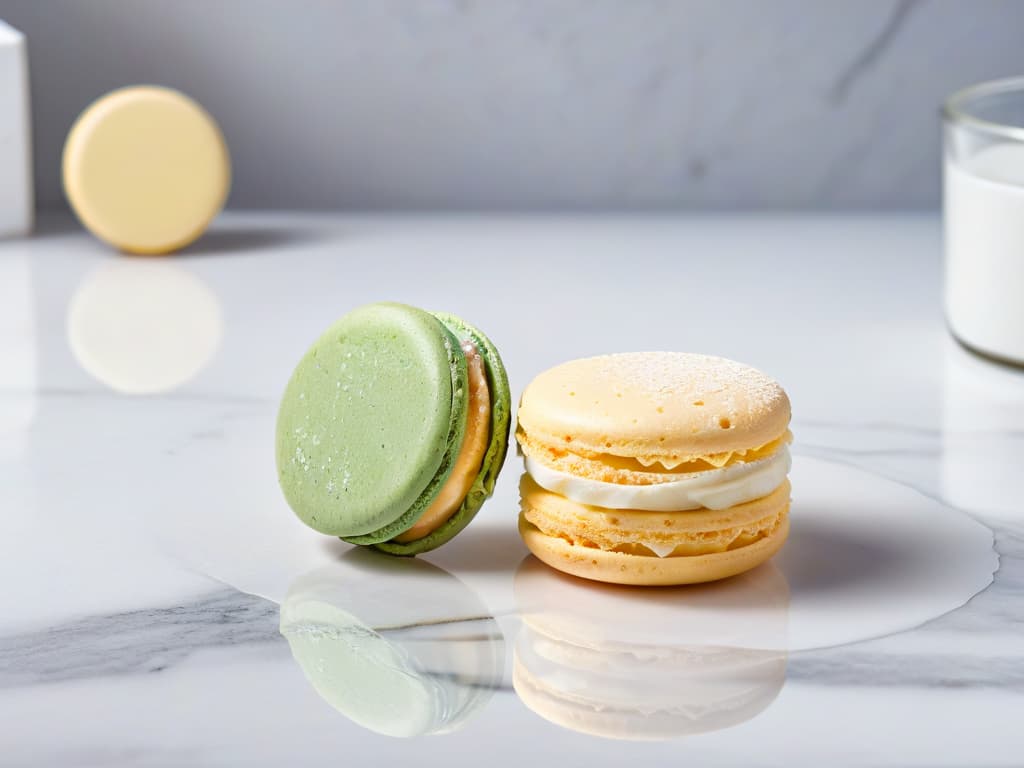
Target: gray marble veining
{"type": "Point", "coordinates": [911, 670]}
{"type": "Point", "coordinates": [135, 642]}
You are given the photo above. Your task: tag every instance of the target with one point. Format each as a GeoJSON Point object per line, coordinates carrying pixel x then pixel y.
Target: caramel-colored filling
{"type": "Point", "coordinates": [471, 455]}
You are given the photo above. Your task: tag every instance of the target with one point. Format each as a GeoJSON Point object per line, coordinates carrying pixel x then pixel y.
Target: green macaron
{"type": "Point", "coordinates": [373, 421]}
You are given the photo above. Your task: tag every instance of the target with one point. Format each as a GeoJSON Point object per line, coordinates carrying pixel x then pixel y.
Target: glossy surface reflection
{"type": "Point", "coordinates": [399, 646]}
{"type": "Point", "coordinates": [630, 663]}
{"type": "Point", "coordinates": [983, 433]}
{"type": "Point", "coordinates": [18, 345]}
{"type": "Point", "coordinates": [142, 326]}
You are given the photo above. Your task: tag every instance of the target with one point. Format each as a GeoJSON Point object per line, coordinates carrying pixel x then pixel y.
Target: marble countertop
{"type": "Point", "coordinates": [162, 606]}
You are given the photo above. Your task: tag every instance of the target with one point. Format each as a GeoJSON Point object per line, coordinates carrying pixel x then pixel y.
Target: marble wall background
{"type": "Point", "coordinates": [539, 104]}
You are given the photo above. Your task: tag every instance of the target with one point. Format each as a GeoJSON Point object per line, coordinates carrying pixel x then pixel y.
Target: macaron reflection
{"type": "Point", "coordinates": [143, 327]}
{"type": "Point", "coordinates": [625, 663]}
{"type": "Point", "coordinates": [400, 647]}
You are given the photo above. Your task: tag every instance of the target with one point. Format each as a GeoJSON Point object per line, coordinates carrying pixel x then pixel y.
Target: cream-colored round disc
{"type": "Point", "coordinates": [146, 169]}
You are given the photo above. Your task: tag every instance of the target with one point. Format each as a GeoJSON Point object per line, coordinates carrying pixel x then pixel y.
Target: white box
{"type": "Point", "coordinates": [16, 196]}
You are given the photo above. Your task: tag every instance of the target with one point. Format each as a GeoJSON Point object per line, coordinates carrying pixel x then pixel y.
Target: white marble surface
{"type": "Point", "coordinates": [144, 544]}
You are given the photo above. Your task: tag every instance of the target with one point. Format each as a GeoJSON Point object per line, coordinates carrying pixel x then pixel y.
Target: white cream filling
{"type": "Point", "coordinates": [658, 548]}
{"type": "Point", "coordinates": [711, 489]}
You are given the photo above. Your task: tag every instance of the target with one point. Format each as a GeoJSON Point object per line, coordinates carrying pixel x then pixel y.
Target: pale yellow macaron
{"type": "Point", "coordinates": [146, 169]}
{"type": "Point", "coordinates": [654, 467]}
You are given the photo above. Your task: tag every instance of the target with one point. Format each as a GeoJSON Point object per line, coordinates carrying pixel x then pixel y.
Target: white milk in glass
{"type": "Point", "coordinates": [984, 219]}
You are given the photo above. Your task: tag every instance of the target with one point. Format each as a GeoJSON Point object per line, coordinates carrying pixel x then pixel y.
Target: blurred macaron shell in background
{"type": "Point", "coordinates": [146, 169]}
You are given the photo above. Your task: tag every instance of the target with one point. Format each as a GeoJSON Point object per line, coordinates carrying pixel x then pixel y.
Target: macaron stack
{"type": "Point", "coordinates": [393, 428]}
{"type": "Point", "coordinates": [654, 468]}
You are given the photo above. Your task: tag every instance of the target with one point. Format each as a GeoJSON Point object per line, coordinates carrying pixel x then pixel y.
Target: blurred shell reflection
{"type": "Point", "coordinates": [143, 327]}
{"type": "Point", "coordinates": [646, 664]}
{"type": "Point", "coordinates": [398, 646]}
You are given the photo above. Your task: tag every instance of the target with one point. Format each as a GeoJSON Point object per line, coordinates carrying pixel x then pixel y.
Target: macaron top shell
{"type": "Point", "coordinates": [370, 422]}
{"type": "Point", "coordinates": [656, 407]}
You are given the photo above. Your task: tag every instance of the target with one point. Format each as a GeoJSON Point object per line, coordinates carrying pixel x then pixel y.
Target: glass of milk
{"type": "Point", "coordinates": [984, 218]}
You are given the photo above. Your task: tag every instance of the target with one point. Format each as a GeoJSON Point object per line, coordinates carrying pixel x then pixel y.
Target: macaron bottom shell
{"type": "Point", "coordinates": [623, 568]}
{"type": "Point", "coordinates": [494, 458]}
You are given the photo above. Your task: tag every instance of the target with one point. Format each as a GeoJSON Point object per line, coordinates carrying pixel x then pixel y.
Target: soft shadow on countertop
{"type": "Point", "coordinates": [225, 241]}
{"type": "Point", "coordinates": [477, 549]}
{"type": "Point", "coordinates": [482, 549]}
{"type": "Point", "coordinates": [822, 557]}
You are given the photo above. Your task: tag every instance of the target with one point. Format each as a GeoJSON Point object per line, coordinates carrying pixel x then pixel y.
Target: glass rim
{"type": "Point", "coordinates": [955, 109]}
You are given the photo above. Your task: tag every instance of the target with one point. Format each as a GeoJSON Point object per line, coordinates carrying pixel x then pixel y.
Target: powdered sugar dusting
{"type": "Point", "coordinates": [664, 376]}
